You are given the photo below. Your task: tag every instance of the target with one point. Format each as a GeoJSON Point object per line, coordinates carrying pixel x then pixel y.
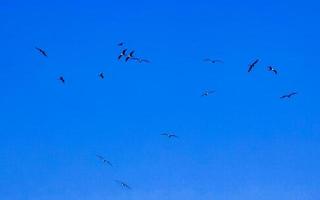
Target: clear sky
{"type": "Point", "coordinates": [241, 143]}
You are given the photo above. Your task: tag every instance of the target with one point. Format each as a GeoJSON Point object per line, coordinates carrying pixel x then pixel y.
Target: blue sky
{"type": "Point", "coordinates": [243, 142]}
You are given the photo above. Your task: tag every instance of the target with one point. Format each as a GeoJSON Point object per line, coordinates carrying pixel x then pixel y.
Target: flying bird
{"type": "Point", "coordinates": [252, 65]}
{"type": "Point", "coordinates": [288, 95]}
{"type": "Point", "coordinates": [123, 184]}
{"type": "Point", "coordinates": [170, 135]}
{"type": "Point", "coordinates": [141, 60]}
{"type": "Point", "coordinates": [101, 75]}
{"type": "Point", "coordinates": [121, 44]}
{"type": "Point", "coordinates": [104, 160]}
{"type": "Point", "coordinates": [123, 53]}
{"type": "Point", "coordinates": [207, 93]}
{"type": "Point", "coordinates": [43, 52]}
{"type": "Point", "coordinates": [272, 69]}
{"type": "Point", "coordinates": [130, 56]}
{"type": "Point", "coordinates": [61, 78]}
{"type": "Point", "coordinates": [212, 61]}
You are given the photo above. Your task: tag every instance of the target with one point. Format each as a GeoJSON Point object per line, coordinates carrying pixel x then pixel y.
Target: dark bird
{"type": "Point", "coordinates": [104, 160]}
{"type": "Point", "coordinates": [141, 60]}
{"type": "Point", "coordinates": [272, 69]}
{"type": "Point", "coordinates": [251, 66]}
{"type": "Point", "coordinates": [121, 44]}
{"type": "Point", "coordinates": [130, 56]}
{"type": "Point", "coordinates": [288, 95]}
{"type": "Point", "coordinates": [170, 135]}
{"type": "Point", "coordinates": [123, 184]}
{"type": "Point", "coordinates": [43, 52]}
{"type": "Point", "coordinates": [212, 61]}
{"type": "Point", "coordinates": [123, 53]}
{"type": "Point", "coordinates": [101, 75]}
{"type": "Point", "coordinates": [61, 78]}
{"type": "Point", "coordinates": [207, 93]}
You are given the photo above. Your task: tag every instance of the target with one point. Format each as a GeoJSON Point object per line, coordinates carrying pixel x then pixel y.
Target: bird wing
{"type": "Point", "coordinates": [250, 68]}
{"type": "Point", "coordinates": [145, 60]}
{"type": "Point", "coordinates": [220, 61]}
{"type": "Point", "coordinates": [100, 157]}
{"type": "Point", "coordinates": [293, 93]}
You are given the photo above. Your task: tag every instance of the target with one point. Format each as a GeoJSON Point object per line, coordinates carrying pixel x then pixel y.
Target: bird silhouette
{"type": "Point", "coordinates": [61, 78]}
{"type": "Point", "coordinates": [130, 56]}
{"type": "Point", "coordinates": [101, 75]}
{"type": "Point", "coordinates": [104, 160]}
{"type": "Point", "coordinates": [141, 60]}
{"type": "Point", "coordinates": [121, 44]}
{"type": "Point", "coordinates": [288, 95]}
{"type": "Point", "coordinates": [272, 69]}
{"type": "Point", "coordinates": [170, 135]}
{"type": "Point", "coordinates": [207, 93]}
{"type": "Point", "coordinates": [123, 184]}
{"type": "Point", "coordinates": [43, 52]}
{"type": "Point", "coordinates": [252, 65]}
{"type": "Point", "coordinates": [123, 53]}
{"type": "Point", "coordinates": [212, 61]}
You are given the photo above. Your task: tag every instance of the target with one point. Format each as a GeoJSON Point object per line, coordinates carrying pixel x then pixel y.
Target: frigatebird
{"type": "Point", "coordinates": [141, 60]}
{"type": "Point", "coordinates": [288, 95]}
{"type": "Point", "coordinates": [170, 135]}
{"type": "Point", "coordinates": [207, 93]}
{"type": "Point", "coordinates": [251, 66]}
{"type": "Point", "coordinates": [123, 184]}
{"type": "Point", "coordinates": [104, 160]}
{"type": "Point", "coordinates": [123, 53]}
{"type": "Point", "coordinates": [272, 69]}
{"type": "Point", "coordinates": [212, 61]}
{"type": "Point", "coordinates": [101, 75]}
{"type": "Point", "coordinates": [129, 56]}
{"type": "Point", "coordinates": [43, 52]}
{"type": "Point", "coordinates": [61, 78]}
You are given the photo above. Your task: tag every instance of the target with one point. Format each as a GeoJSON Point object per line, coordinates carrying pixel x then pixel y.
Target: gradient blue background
{"type": "Point", "coordinates": [243, 143]}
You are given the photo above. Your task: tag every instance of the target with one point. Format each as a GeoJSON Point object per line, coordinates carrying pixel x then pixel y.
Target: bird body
{"type": "Point", "coordinates": [123, 53]}
{"type": "Point", "coordinates": [61, 78]}
{"type": "Point", "coordinates": [101, 75]}
{"type": "Point", "coordinates": [104, 160]}
{"type": "Point", "coordinates": [272, 69]}
{"type": "Point", "coordinates": [43, 52]}
{"type": "Point", "coordinates": [141, 60]}
{"type": "Point", "coordinates": [288, 95]}
{"type": "Point", "coordinates": [129, 56]}
{"type": "Point", "coordinates": [213, 61]}
{"type": "Point", "coordinates": [252, 65]}
{"type": "Point", "coordinates": [207, 93]}
{"type": "Point", "coordinates": [170, 135]}
{"type": "Point", "coordinates": [123, 184]}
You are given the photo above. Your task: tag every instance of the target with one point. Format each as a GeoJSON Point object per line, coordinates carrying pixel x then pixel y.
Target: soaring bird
{"type": "Point", "coordinates": [288, 95]}
{"type": "Point", "coordinates": [104, 160]}
{"type": "Point", "coordinates": [251, 66]}
{"type": "Point", "coordinates": [101, 75]}
{"type": "Point", "coordinates": [129, 56]}
{"type": "Point", "coordinates": [43, 52]}
{"type": "Point", "coordinates": [272, 69]}
{"type": "Point", "coordinates": [61, 78]}
{"type": "Point", "coordinates": [123, 184]}
{"type": "Point", "coordinates": [123, 53]}
{"type": "Point", "coordinates": [170, 135]}
{"type": "Point", "coordinates": [212, 61]}
{"type": "Point", "coordinates": [121, 44]}
{"type": "Point", "coordinates": [207, 93]}
{"type": "Point", "coordinates": [141, 60]}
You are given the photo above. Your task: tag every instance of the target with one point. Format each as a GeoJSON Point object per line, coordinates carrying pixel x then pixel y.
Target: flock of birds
{"type": "Point", "coordinates": [128, 55]}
